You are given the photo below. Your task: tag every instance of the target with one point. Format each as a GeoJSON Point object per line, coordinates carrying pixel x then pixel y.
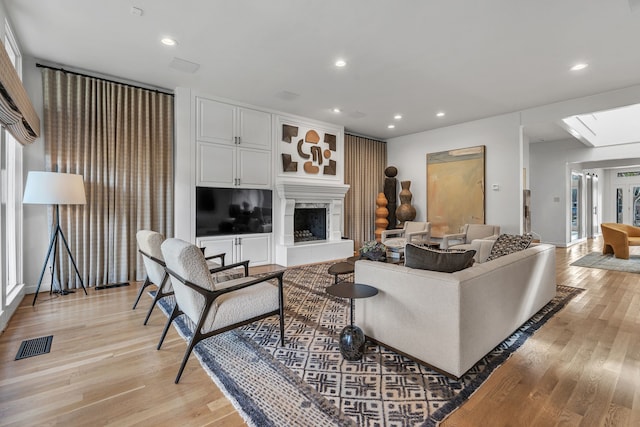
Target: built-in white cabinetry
{"type": "Point", "coordinates": [253, 247]}
{"type": "Point", "coordinates": [233, 145]}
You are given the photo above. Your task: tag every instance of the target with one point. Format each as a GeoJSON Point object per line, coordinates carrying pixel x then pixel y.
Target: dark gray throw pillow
{"type": "Point", "coordinates": [446, 261]}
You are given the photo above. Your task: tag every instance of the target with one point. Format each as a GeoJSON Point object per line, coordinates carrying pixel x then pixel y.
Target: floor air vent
{"type": "Point", "coordinates": [34, 347]}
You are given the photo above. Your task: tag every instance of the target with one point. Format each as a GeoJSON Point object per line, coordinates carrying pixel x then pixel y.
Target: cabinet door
{"type": "Point", "coordinates": [255, 248]}
{"type": "Point", "coordinates": [254, 168]}
{"type": "Point", "coordinates": [215, 121]}
{"type": "Point", "coordinates": [254, 129]}
{"type": "Point", "coordinates": [218, 245]}
{"type": "Point", "coordinates": [216, 165]}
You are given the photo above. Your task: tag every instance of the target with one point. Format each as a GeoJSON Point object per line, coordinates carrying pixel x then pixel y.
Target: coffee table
{"type": "Point", "coordinates": [351, 338]}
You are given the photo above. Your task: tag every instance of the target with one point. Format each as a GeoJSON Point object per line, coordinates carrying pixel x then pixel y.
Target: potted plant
{"type": "Point", "coordinates": [373, 250]}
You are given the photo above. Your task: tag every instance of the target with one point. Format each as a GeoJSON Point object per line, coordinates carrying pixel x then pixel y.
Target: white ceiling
{"type": "Point", "coordinates": [471, 59]}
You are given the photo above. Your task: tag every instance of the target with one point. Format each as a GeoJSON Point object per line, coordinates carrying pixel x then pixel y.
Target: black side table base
{"type": "Point", "coordinates": [352, 343]}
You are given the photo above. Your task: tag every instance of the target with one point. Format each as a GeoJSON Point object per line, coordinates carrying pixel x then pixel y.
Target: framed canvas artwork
{"type": "Point", "coordinates": [455, 189]}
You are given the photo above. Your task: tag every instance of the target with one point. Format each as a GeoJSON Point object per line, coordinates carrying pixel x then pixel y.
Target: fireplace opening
{"type": "Point", "coordinates": [309, 224]}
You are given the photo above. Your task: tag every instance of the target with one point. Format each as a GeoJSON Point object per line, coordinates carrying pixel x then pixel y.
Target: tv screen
{"type": "Point", "coordinates": [222, 211]}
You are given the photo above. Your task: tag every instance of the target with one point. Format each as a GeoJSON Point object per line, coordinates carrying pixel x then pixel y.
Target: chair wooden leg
{"type": "Point", "coordinates": [153, 304]}
{"type": "Point", "coordinates": [195, 339]}
{"type": "Point", "coordinates": [281, 300]}
{"type": "Point", "coordinates": [159, 294]}
{"type": "Point", "coordinates": [175, 313]}
{"type": "Point", "coordinates": [144, 285]}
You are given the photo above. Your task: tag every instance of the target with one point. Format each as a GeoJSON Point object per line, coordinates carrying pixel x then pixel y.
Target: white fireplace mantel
{"type": "Point", "coordinates": [309, 191]}
{"type": "Point", "coordinates": [292, 193]}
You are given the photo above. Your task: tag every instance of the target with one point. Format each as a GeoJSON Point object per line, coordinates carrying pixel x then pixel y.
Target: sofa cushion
{"type": "Point", "coordinates": [443, 260]}
{"type": "Point", "coordinates": [509, 243]}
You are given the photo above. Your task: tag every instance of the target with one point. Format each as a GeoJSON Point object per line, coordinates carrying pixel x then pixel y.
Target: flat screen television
{"type": "Point", "coordinates": [221, 211]}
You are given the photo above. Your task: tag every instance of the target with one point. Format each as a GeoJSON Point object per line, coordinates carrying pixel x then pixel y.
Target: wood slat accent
{"type": "Point", "coordinates": [581, 368]}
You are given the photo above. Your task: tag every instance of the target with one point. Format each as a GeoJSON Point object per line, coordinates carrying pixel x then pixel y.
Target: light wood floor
{"type": "Point", "coordinates": [581, 368]}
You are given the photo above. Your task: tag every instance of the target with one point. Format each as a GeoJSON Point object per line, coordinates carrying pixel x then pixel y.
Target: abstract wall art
{"type": "Point", "coordinates": [455, 189]}
{"type": "Point", "coordinates": [315, 148]}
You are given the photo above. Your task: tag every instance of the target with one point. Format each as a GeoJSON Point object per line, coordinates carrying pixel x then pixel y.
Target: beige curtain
{"type": "Point", "coordinates": [120, 139]}
{"type": "Point", "coordinates": [365, 161]}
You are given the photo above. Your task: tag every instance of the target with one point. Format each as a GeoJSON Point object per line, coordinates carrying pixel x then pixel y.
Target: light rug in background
{"type": "Point", "coordinates": [609, 262]}
{"type": "Point", "coordinates": [307, 383]}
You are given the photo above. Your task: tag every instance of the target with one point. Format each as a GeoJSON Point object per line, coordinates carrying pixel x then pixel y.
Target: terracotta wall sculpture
{"type": "Point", "coordinates": [315, 152]}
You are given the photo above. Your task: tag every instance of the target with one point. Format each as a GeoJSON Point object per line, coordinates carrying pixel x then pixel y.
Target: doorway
{"type": "Point", "coordinates": [577, 229]}
{"type": "Point", "coordinates": [628, 204]}
{"type": "Point", "coordinates": [592, 216]}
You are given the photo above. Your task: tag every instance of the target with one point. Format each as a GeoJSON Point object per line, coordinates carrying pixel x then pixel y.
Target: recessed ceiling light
{"type": "Point", "coordinates": [391, 126]}
{"type": "Point", "coordinates": [397, 116]}
{"type": "Point", "coordinates": [440, 114]}
{"type": "Point", "coordinates": [336, 110]}
{"type": "Point", "coordinates": [341, 63]}
{"type": "Point", "coordinates": [168, 41]}
{"type": "Point", "coordinates": [579, 67]}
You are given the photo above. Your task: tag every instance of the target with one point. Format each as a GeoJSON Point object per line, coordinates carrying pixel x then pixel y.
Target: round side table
{"type": "Point", "coordinates": [341, 268]}
{"type": "Point", "coordinates": [351, 338]}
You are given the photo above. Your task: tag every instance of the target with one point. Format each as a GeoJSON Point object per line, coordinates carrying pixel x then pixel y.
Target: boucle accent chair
{"type": "Point", "coordinates": [412, 232]}
{"type": "Point", "coordinates": [618, 237]}
{"type": "Point", "coordinates": [213, 307]}
{"type": "Point", "coordinates": [149, 247]}
{"type": "Point", "coordinates": [468, 233]}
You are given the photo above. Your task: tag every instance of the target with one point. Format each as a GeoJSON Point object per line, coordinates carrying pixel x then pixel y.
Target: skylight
{"type": "Point", "coordinates": [610, 127]}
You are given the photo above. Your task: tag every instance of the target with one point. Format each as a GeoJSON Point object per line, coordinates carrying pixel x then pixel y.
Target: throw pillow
{"type": "Point", "coordinates": [509, 243]}
{"type": "Point", "coordinates": [443, 260]}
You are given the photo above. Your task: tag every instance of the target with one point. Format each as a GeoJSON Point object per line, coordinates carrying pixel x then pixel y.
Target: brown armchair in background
{"type": "Point", "coordinates": [618, 237]}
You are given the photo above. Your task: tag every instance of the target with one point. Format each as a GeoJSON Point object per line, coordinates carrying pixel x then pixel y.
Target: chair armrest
{"type": "Point", "coordinates": [221, 256]}
{"type": "Point", "coordinates": [244, 264]}
{"type": "Point", "coordinates": [424, 236]}
{"type": "Point", "coordinates": [212, 295]}
{"type": "Point", "coordinates": [277, 275]}
{"type": "Point", "coordinates": [154, 259]}
{"type": "Point", "coordinates": [632, 231]}
{"type": "Point", "coordinates": [386, 233]}
{"type": "Point", "coordinates": [447, 237]}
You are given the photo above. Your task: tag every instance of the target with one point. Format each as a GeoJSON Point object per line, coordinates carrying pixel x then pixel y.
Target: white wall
{"type": "Point", "coordinates": [36, 223]}
{"type": "Point", "coordinates": [504, 163]}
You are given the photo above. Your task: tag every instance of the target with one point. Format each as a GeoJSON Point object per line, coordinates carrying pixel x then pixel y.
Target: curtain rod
{"type": "Point", "coordinates": [346, 132]}
{"type": "Point", "coordinates": [102, 78]}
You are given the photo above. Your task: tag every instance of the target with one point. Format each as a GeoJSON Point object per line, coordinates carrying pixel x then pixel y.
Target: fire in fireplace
{"type": "Point", "coordinates": [309, 224]}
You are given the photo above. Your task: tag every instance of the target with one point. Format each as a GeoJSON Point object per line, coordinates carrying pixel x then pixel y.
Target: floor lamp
{"type": "Point", "coordinates": [54, 188]}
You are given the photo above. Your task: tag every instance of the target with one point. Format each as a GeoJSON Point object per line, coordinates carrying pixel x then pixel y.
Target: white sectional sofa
{"type": "Point", "coordinates": [449, 321]}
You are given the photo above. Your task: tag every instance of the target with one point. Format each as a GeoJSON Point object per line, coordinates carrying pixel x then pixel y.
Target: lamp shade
{"type": "Point", "coordinates": [54, 188]}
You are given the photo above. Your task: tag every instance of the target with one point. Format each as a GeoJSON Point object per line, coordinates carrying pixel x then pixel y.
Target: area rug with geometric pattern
{"type": "Point", "coordinates": [308, 383]}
